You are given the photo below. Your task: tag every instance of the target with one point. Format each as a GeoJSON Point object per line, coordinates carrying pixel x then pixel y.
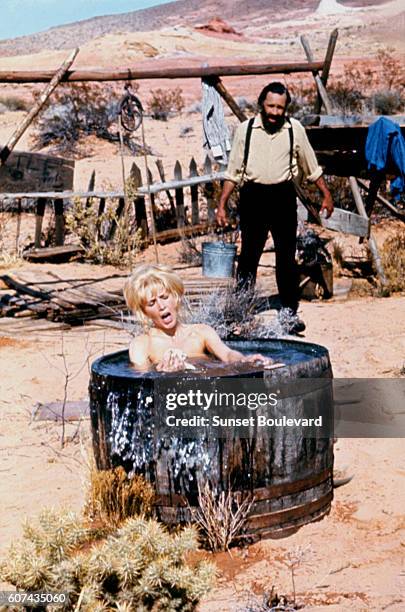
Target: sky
{"type": "Point", "coordinates": [20, 17]}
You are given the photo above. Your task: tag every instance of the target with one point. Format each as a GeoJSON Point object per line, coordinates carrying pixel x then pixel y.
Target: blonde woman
{"type": "Point", "coordinates": [154, 294]}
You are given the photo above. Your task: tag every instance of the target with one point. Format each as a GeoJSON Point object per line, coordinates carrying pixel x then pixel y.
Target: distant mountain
{"type": "Point", "coordinates": [182, 12]}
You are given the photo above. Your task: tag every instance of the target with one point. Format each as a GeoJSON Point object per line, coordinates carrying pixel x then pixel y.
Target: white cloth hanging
{"type": "Point", "coordinates": [216, 133]}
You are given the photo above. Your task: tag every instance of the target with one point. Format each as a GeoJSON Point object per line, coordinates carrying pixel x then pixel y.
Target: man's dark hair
{"type": "Point", "coordinates": [274, 87]}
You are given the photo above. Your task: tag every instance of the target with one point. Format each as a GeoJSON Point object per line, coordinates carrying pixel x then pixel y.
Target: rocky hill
{"type": "Point", "coordinates": [240, 13]}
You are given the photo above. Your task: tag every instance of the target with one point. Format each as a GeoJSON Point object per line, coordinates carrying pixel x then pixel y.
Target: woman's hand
{"type": "Point", "coordinates": [265, 362]}
{"type": "Point", "coordinates": [174, 360]}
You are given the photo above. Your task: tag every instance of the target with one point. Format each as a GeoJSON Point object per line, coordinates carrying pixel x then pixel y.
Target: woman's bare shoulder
{"type": "Point", "coordinates": [139, 350]}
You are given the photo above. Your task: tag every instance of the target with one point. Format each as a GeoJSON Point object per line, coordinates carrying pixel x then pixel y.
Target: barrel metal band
{"type": "Point", "coordinates": [260, 494]}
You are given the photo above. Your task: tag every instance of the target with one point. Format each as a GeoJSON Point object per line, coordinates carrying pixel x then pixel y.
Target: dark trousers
{"type": "Point", "coordinates": [274, 208]}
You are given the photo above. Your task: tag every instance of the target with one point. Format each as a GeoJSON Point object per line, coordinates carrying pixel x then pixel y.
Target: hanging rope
{"type": "Point", "coordinates": [216, 132]}
{"type": "Point", "coordinates": [131, 118]}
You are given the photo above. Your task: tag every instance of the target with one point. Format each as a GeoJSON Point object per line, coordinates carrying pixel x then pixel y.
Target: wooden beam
{"type": "Point", "coordinates": [320, 86]}
{"type": "Point", "coordinates": [383, 201]}
{"type": "Point", "coordinates": [326, 67]}
{"type": "Point", "coordinates": [230, 100]}
{"type": "Point", "coordinates": [54, 81]}
{"type": "Point", "coordinates": [135, 73]}
{"type": "Point", "coordinates": [371, 240]}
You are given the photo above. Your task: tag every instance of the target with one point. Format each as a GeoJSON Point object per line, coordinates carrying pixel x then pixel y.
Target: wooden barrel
{"type": "Point", "coordinates": [289, 475]}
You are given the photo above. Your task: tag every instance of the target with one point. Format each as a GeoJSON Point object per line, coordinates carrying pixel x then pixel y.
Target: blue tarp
{"type": "Point", "coordinates": [385, 146]}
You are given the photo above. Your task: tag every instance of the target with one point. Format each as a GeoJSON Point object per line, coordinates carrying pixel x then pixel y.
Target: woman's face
{"type": "Point", "coordinates": [161, 307]}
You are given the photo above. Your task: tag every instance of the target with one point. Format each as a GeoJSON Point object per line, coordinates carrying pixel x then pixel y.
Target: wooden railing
{"type": "Point", "coordinates": [187, 208]}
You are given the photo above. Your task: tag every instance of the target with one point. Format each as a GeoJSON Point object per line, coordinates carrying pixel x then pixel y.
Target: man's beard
{"type": "Point", "coordinates": [272, 126]}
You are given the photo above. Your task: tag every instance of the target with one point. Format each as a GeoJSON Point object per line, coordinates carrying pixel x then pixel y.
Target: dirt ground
{"type": "Point", "coordinates": [353, 559]}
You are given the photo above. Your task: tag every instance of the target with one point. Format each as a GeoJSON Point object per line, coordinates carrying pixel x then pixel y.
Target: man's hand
{"type": "Point", "coordinates": [221, 217]}
{"type": "Point", "coordinates": [327, 204]}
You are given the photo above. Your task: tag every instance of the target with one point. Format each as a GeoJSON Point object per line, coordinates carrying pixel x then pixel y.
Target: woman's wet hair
{"type": "Point", "coordinates": [274, 87]}
{"type": "Point", "coordinates": [145, 282]}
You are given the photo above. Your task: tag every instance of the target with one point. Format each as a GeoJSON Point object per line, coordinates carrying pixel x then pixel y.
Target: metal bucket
{"type": "Point", "coordinates": [218, 259]}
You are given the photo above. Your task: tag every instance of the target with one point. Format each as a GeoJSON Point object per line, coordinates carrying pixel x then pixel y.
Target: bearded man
{"type": "Point", "coordinates": [269, 153]}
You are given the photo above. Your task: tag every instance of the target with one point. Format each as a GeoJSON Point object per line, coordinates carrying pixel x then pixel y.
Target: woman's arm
{"type": "Point", "coordinates": [139, 353]}
{"type": "Point", "coordinates": [214, 345]}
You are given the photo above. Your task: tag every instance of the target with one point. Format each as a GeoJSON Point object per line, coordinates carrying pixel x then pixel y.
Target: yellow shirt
{"type": "Point", "coordinates": [269, 155]}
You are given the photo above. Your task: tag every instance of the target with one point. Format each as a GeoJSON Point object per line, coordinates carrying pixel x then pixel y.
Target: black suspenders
{"type": "Point", "coordinates": [247, 146]}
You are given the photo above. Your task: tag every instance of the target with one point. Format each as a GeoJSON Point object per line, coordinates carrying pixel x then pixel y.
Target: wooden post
{"type": "Point", "coordinates": [326, 67]}
{"type": "Point", "coordinates": [383, 201]}
{"type": "Point", "coordinates": [139, 202]}
{"type": "Point", "coordinates": [59, 222]}
{"type": "Point", "coordinates": [195, 213]}
{"type": "Point", "coordinates": [209, 192]}
{"type": "Point", "coordinates": [39, 218]}
{"type": "Point", "coordinates": [152, 195]}
{"type": "Point", "coordinates": [18, 230]}
{"type": "Point", "coordinates": [179, 196]}
{"type": "Point", "coordinates": [101, 209]}
{"type": "Point", "coordinates": [118, 214]}
{"type": "Point", "coordinates": [92, 184]}
{"type": "Point", "coordinates": [320, 86]}
{"type": "Point", "coordinates": [371, 241]}
{"type": "Point", "coordinates": [5, 152]}
{"type": "Point", "coordinates": [161, 171]}
{"type": "Point", "coordinates": [224, 93]}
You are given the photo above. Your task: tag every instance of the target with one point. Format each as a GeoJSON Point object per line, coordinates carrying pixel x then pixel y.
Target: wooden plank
{"type": "Point", "coordinates": [39, 219]}
{"type": "Point", "coordinates": [179, 196]}
{"type": "Point", "coordinates": [176, 233]}
{"type": "Point", "coordinates": [36, 173]}
{"type": "Point", "coordinates": [347, 222]}
{"type": "Point", "coordinates": [139, 202]}
{"type": "Point", "coordinates": [161, 171]}
{"type": "Point", "coordinates": [56, 411]}
{"type": "Point", "coordinates": [68, 195]}
{"type": "Point", "coordinates": [158, 72]}
{"type": "Point", "coordinates": [371, 241]}
{"type": "Point", "coordinates": [118, 214]}
{"type": "Point", "coordinates": [224, 93]}
{"type": "Point", "coordinates": [383, 201]}
{"type": "Point", "coordinates": [20, 326]}
{"type": "Point", "coordinates": [326, 66]}
{"type": "Point", "coordinates": [18, 228]}
{"type": "Point", "coordinates": [319, 84]}
{"type": "Point", "coordinates": [209, 192]}
{"type": "Point", "coordinates": [39, 103]}
{"type": "Point", "coordinates": [59, 222]}
{"type": "Point", "coordinates": [59, 253]}
{"type": "Point", "coordinates": [195, 213]}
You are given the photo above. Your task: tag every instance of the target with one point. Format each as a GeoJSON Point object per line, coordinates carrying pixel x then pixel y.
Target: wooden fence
{"type": "Point", "coordinates": [186, 210]}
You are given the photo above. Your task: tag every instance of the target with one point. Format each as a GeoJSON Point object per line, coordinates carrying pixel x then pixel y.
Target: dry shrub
{"type": "Point", "coordinates": [164, 102]}
{"type": "Point", "coordinates": [113, 497]}
{"type": "Point", "coordinates": [393, 260]}
{"type": "Point", "coordinates": [93, 232]}
{"type": "Point", "coordinates": [220, 516]}
{"type": "Point", "coordinates": [137, 567]}
{"type": "Point", "coordinates": [13, 103]}
{"type": "Point", "coordinates": [188, 251]}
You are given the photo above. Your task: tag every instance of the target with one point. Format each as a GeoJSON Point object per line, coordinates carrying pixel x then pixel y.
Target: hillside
{"type": "Point", "coordinates": [241, 13]}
